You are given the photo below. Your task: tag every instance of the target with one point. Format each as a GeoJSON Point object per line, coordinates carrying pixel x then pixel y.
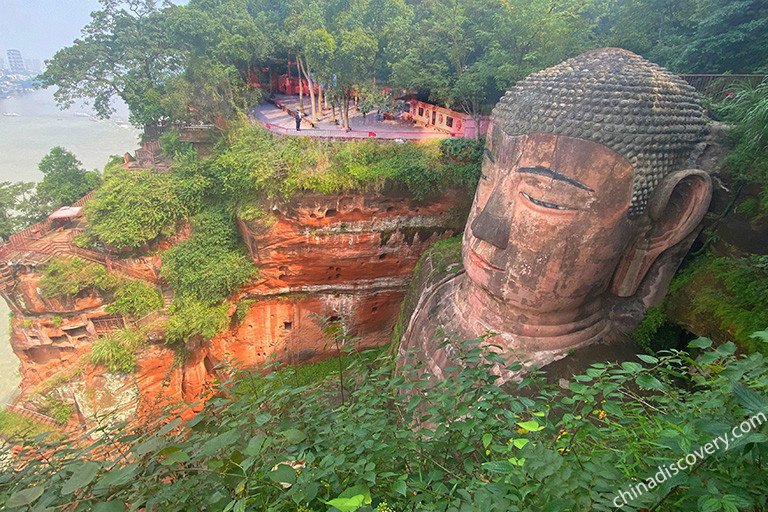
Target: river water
{"type": "Point", "coordinates": [35, 126]}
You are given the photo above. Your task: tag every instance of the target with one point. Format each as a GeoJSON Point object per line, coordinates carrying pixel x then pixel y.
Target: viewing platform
{"type": "Point", "coordinates": [278, 117]}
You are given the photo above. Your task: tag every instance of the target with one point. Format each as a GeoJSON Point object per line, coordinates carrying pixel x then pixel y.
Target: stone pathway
{"type": "Point", "coordinates": [280, 121]}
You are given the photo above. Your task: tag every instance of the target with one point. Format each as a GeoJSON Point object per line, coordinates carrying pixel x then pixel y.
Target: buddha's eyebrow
{"type": "Point", "coordinates": [550, 173]}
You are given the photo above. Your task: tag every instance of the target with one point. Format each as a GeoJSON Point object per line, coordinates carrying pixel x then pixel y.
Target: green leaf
{"type": "Point", "coordinates": [82, 476]}
{"type": "Point", "coordinates": [760, 335]}
{"type": "Point", "coordinates": [400, 487]}
{"type": "Point", "coordinates": [25, 497]}
{"type": "Point", "coordinates": [726, 349]}
{"type": "Point", "coordinates": [294, 436]}
{"type": "Point", "coordinates": [255, 445]}
{"type": "Point", "coordinates": [530, 426]}
{"type": "Point", "coordinates": [519, 443]}
{"type": "Point", "coordinates": [646, 381]}
{"type": "Point", "coordinates": [498, 466]}
{"type": "Point", "coordinates": [116, 477]}
{"type": "Point", "coordinates": [283, 474]}
{"type": "Point", "coordinates": [347, 504]}
{"type": "Point", "coordinates": [221, 441]}
{"type": "Point", "coordinates": [700, 343]}
{"type": "Point", "coordinates": [648, 359]}
{"type": "Point", "coordinates": [109, 506]}
{"type": "Point", "coordinates": [487, 438]}
{"type": "Point", "coordinates": [632, 367]}
{"type": "Point", "coordinates": [751, 400]}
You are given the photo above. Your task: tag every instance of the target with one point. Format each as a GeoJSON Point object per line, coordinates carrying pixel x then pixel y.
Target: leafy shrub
{"type": "Point", "coordinates": [731, 292]}
{"type": "Point", "coordinates": [212, 263]}
{"type": "Point", "coordinates": [58, 409]}
{"type": "Point", "coordinates": [191, 318]}
{"type": "Point", "coordinates": [13, 425]}
{"type": "Point", "coordinates": [747, 111]}
{"type": "Point", "coordinates": [251, 162]}
{"type": "Point", "coordinates": [117, 350]}
{"type": "Point", "coordinates": [70, 276]}
{"type": "Point", "coordinates": [133, 207]}
{"type": "Point", "coordinates": [135, 298]}
{"type": "Point", "coordinates": [410, 445]}
{"type": "Point", "coordinates": [242, 309]}
{"type": "Point", "coordinates": [173, 147]}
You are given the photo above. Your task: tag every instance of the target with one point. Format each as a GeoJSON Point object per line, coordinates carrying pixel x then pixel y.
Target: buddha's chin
{"type": "Point", "coordinates": [482, 277]}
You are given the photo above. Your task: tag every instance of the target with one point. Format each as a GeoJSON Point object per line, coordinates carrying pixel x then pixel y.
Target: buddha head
{"type": "Point", "coordinates": [584, 183]}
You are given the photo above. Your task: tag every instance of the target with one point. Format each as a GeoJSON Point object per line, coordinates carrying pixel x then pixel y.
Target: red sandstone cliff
{"type": "Point", "coordinates": [348, 257]}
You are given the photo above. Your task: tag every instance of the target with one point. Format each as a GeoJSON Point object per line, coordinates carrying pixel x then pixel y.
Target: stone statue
{"type": "Point", "coordinates": [583, 188]}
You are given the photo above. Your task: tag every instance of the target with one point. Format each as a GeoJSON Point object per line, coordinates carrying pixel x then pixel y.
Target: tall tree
{"type": "Point", "coordinates": [125, 52]}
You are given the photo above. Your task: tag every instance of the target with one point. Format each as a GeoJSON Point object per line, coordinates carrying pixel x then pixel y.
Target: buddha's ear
{"type": "Point", "coordinates": [676, 208]}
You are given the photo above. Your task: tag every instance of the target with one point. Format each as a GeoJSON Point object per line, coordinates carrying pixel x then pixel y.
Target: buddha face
{"type": "Point", "coordinates": [549, 221]}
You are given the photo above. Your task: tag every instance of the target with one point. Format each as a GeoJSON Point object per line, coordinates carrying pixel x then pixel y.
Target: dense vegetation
{"type": "Point", "coordinates": [64, 182]}
{"type": "Point", "coordinates": [728, 297]}
{"type": "Point", "coordinates": [194, 62]}
{"type": "Point", "coordinates": [69, 277]}
{"type": "Point", "coordinates": [402, 444]}
{"type": "Point", "coordinates": [117, 350]}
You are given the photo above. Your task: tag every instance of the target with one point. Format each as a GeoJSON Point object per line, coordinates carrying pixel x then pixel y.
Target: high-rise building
{"type": "Point", "coordinates": [15, 61]}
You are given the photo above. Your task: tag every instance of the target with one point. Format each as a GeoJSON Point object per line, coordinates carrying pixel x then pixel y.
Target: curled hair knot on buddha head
{"type": "Point", "coordinates": [618, 99]}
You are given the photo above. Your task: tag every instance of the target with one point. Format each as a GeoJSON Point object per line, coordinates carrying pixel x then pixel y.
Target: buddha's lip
{"type": "Point", "coordinates": [481, 261]}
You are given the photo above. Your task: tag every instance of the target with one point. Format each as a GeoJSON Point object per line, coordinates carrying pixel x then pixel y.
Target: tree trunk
{"type": "Point", "coordinates": [347, 98]}
{"type": "Point", "coordinates": [312, 101]}
{"type": "Point", "coordinates": [301, 87]}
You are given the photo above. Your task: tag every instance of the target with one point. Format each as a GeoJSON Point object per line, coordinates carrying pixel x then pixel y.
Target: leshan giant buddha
{"type": "Point", "coordinates": [583, 188]}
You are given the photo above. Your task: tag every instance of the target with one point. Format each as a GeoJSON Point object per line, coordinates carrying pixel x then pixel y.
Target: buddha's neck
{"type": "Point", "coordinates": [526, 330]}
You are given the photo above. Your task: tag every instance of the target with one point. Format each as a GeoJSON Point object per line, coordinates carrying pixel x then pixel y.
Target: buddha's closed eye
{"type": "Point", "coordinates": [544, 204]}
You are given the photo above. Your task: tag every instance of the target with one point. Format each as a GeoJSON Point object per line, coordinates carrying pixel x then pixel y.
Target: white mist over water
{"type": "Point", "coordinates": [30, 125]}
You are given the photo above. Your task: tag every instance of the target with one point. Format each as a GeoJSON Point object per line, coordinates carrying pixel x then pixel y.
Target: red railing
{"type": "Point", "coordinates": [34, 415]}
{"type": "Point", "coordinates": [354, 134]}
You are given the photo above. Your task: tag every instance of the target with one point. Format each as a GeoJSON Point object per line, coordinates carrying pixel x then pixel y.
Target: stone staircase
{"type": "Point", "coordinates": [7, 280]}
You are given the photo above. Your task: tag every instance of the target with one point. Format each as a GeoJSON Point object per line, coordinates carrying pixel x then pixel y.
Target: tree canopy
{"type": "Point", "coordinates": [195, 61]}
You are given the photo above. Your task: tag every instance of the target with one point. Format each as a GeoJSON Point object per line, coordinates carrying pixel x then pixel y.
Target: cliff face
{"type": "Point", "coordinates": [345, 258]}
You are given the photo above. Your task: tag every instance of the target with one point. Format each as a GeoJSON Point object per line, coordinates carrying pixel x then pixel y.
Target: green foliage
{"type": "Point", "coordinates": [64, 179]}
{"type": "Point", "coordinates": [747, 111]}
{"type": "Point", "coordinates": [212, 263]}
{"type": "Point", "coordinates": [117, 350]}
{"type": "Point", "coordinates": [251, 162]}
{"type": "Point", "coordinates": [124, 51]}
{"type": "Point", "coordinates": [70, 276]}
{"type": "Point", "coordinates": [733, 293]}
{"type": "Point", "coordinates": [242, 309]}
{"type": "Point", "coordinates": [135, 299]}
{"type": "Point", "coordinates": [14, 425]}
{"type": "Point", "coordinates": [656, 332]}
{"type": "Point", "coordinates": [13, 198]}
{"type": "Point", "coordinates": [133, 207]}
{"type": "Point", "coordinates": [173, 147]}
{"type": "Point", "coordinates": [191, 319]}
{"type": "Point", "coordinates": [58, 409]}
{"type": "Point", "coordinates": [464, 443]}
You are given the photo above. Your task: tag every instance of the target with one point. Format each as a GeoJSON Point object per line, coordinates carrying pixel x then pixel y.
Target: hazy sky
{"type": "Point", "coordinates": [40, 27]}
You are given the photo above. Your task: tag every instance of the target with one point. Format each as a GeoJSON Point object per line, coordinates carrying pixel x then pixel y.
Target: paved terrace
{"type": "Point", "coordinates": [278, 118]}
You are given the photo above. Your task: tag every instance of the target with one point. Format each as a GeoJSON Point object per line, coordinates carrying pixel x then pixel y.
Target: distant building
{"type": "Point", "coordinates": [2, 64]}
{"type": "Point", "coordinates": [15, 62]}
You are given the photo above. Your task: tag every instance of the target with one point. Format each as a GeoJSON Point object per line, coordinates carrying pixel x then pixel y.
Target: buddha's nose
{"type": "Point", "coordinates": [491, 225]}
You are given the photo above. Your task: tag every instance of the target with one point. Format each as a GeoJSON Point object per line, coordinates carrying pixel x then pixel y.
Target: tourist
{"type": "Point", "coordinates": [298, 121]}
